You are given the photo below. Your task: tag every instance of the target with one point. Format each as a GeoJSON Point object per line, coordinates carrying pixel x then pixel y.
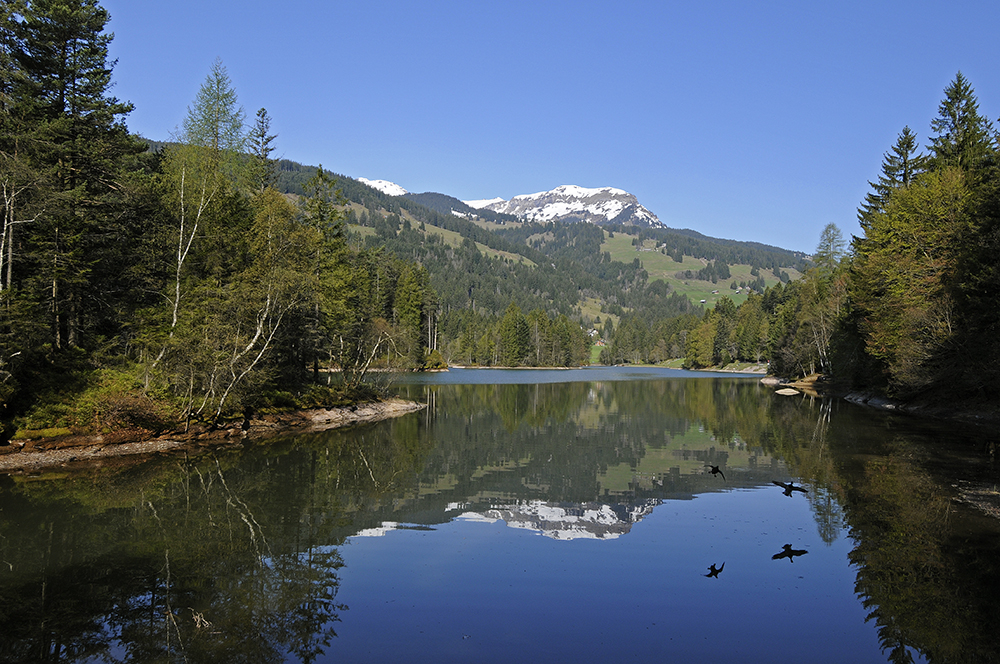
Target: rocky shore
{"type": "Point", "coordinates": [23, 456]}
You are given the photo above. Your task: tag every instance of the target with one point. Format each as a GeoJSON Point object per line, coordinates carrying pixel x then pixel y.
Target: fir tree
{"type": "Point", "coordinates": [899, 166]}
{"type": "Point", "coordinates": [260, 139]}
{"type": "Point", "coordinates": [964, 137]}
{"type": "Point", "coordinates": [79, 142]}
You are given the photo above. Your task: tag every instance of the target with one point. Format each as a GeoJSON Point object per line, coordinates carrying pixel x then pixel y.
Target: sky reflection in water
{"type": "Point", "coordinates": [522, 516]}
{"type": "Point", "coordinates": [478, 591]}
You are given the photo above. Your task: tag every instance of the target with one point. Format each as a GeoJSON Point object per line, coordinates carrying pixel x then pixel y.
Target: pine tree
{"type": "Point", "coordinates": [899, 166]}
{"type": "Point", "coordinates": [515, 337]}
{"type": "Point", "coordinates": [260, 139]}
{"type": "Point", "coordinates": [59, 93]}
{"type": "Point", "coordinates": [964, 138]}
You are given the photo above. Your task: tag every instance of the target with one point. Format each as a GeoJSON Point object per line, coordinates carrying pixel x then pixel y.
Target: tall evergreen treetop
{"type": "Point", "coordinates": [830, 249]}
{"type": "Point", "coordinates": [964, 137]}
{"type": "Point", "coordinates": [216, 120]}
{"type": "Point", "coordinates": [263, 172]}
{"type": "Point", "coordinates": [63, 51]}
{"type": "Point", "coordinates": [899, 166]}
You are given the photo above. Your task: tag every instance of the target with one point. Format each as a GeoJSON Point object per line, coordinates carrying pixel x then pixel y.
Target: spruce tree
{"type": "Point", "coordinates": [899, 166]}
{"type": "Point", "coordinates": [964, 138]}
{"type": "Point", "coordinates": [59, 93]}
{"type": "Point", "coordinates": [260, 139]}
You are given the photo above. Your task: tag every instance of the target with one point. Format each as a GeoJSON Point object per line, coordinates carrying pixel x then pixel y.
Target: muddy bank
{"type": "Point", "coordinates": [124, 448]}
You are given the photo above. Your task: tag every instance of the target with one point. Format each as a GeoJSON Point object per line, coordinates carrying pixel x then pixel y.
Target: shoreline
{"type": "Point", "coordinates": [31, 456]}
{"type": "Point", "coordinates": [755, 370]}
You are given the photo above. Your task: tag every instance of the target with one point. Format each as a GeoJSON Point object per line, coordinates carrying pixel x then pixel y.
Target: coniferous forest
{"type": "Point", "coordinates": [145, 285]}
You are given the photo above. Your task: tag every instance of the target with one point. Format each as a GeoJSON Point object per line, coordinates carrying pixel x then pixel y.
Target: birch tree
{"type": "Point", "coordinates": [202, 168]}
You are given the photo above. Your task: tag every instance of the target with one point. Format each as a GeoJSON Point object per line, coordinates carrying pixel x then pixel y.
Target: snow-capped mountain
{"type": "Point", "coordinates": [568, 521]}
{"type": "Point", "coordinates": [561, 521]}
{"type": "Point", "coordinates": [570, 203]}
{"type": "Point", "coordinates": [386, 187]}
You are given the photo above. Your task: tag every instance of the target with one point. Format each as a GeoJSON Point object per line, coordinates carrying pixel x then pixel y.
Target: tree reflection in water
{"type": "Point", "coordinates": [928, 568]}
{"type": "Point", "coordinates": [236, 556]}
{"type": "Point", "coordinates": [211, 560]}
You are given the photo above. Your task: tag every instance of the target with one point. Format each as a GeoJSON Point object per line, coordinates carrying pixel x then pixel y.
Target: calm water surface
{"type": "Point", "coordinates": [549, 516]}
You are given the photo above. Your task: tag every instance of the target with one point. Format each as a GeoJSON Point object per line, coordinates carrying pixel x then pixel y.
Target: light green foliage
{"type": "Point", "coordinates": [698, 351]}
{"type": "Point", "coordinates": [899, 166]}
{"type": "Point", "coordinates": [902, 272]}
{"type": "Point", "coordinates": [830, 250]}
{"type": "Point", "coordinates": [216, 120]}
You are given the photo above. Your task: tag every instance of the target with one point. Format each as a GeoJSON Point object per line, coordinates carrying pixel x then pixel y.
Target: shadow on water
{"type": "Point", "coordinates": [237, 556]}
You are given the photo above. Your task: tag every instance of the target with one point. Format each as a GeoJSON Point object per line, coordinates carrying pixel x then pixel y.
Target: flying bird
{"type": "Point", "coordinates": [788, 552]}
{"type": "Point", "coordinates": [715, 470]}
{"type": "Point", "coordinates": [788, 488]}
{"type": "Point", "coordinates": [713, 571]}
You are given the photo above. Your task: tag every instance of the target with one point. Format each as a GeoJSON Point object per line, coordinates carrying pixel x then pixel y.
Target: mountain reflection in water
{"type": "Point", "coordinates": [522, 512]}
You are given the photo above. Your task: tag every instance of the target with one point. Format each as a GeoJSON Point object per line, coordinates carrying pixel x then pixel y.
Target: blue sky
{"type": "Point", "coordinates": [751, 121]}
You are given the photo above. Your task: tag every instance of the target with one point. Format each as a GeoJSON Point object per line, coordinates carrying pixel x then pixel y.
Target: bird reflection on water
{"type": "Point", "coordinates": [789, 487]}
{"type": "Point", "coordinates": [788, 552]}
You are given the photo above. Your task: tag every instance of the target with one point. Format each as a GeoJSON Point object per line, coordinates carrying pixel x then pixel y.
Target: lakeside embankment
{"type": "Point", "coordinates": [92, 451]}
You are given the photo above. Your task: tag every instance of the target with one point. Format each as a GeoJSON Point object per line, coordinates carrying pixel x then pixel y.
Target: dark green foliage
{"type": "Point", "coordinates": [263, 172]}
{"type": "Point", "coordinates": [447, 205]}
{"type": "Point", "coordinates": [912, 310]}
{"type": "Point", "coordinates": [965, 139]}
{"type": "Point", "coordinates": [684, 242]}
{"type": "Point", "coordinates": [899, 167]}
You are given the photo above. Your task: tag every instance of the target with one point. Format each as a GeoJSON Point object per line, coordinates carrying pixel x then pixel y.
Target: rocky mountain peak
{"type": "Point", "coordinates": [571, 203]}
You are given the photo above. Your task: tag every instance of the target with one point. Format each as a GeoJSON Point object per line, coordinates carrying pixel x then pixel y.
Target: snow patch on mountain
{"type": "Point", "coordinates": [386, 187]}
{"type": "Point", "coordinates": [483, 203]}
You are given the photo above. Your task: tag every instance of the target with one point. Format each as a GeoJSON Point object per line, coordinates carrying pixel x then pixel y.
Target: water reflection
{"type": "Point", "coordinates": [788, 552]}
{"type": "Point", "coordinates": [240, 555]}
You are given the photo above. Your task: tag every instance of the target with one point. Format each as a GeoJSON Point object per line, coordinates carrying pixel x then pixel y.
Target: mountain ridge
{"type": "Point", "coordinates": [572, 203]}
{"type": "Point", "coordinates": [566, 203]}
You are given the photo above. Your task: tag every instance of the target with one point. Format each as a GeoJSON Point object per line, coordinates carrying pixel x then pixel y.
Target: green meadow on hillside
{"type": "Point", "coordinates": [662, 267]}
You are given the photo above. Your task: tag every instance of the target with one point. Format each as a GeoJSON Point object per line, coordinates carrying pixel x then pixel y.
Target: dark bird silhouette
{"type": "Point", "coordinates": [788, 552]}
{"type": "Point", "coordinates": [715, 470]}
{"type": "Point", "coordinates": [789, 487]}
{"type": "Point", "coordinates": [713, 571]}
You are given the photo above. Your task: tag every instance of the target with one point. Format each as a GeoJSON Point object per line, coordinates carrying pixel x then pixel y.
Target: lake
{"type": "Point", "coordinates": [588, 515]}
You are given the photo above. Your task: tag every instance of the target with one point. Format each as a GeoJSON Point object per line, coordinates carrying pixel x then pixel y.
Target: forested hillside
{"type": "Point", "coordinates": [479, 266]}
